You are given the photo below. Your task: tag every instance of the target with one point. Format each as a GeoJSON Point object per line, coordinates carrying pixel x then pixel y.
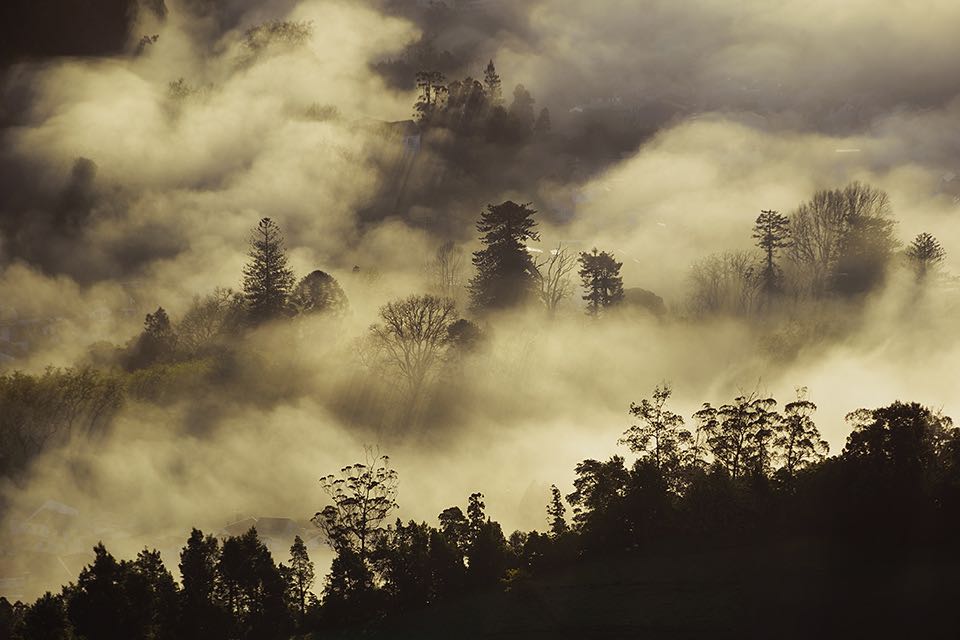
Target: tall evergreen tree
{"type": "Point", "coordinates": [772, 232]}
{"type": "Point", "coordinates": [555, 513]}
{"type": "Point", "coordinates": [267, 280]}
{"type": "Point", "coordinates": [506, 272]}
{"type": "Point", "coordinates": [201, 616]}
{"type": "Point", "coordinates": [925, 254]}
{"type": "Point", "coordinates": [301, 577]}
{"type": "Point", "coordinates": [491, 81]}
{"type": "Point", "coordinates": [603, 286]}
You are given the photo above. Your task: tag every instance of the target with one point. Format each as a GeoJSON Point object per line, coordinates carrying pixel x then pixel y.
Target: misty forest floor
{"type": "Point", "coordinates": [789, 591]}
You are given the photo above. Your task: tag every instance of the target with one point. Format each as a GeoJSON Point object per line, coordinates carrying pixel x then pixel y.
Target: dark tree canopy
{"type": "Point", "coordinates": [506, 272]}
{"type": "Point", "coordinates": [319, 292]}
{"type": "Point", "coordinates": [602, 284]}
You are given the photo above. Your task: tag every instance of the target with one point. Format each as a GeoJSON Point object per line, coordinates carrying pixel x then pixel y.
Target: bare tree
{"type": "Point", "coordinates": [553, 276]}
{"type": "Point", "coordinates": [446, 270]}
{"type": "Point", "coordinates": [413, 336]}
{"type": "Point", "coordinates": [727, 282]}
{"type": "Point", "coordinates": [842, 239]}
{"type": "Point", "coordinates": [209, 318]}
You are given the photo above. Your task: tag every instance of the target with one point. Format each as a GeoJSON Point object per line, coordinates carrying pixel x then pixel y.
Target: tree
{"type": "Point", "coordinates": [772, 233]}
{"type": "Point", "coordinates": [156, 343]}
{"type": "Point", "coordinates": [521, 111]}
{"type": "Point", "coordinates": [362, 495]}
{"type": "Point", "coordinates": [491, 82]}
{"type": "Point", "coordinates": [842, 239]}
{"type": "Point", "coordinates": [603, 286]}
{"type": "Point", "coordinates": [252, 587]}
{"type": "Point", "coordinates": [319, 292]}
{"type": "Point", "coordinates": [433, 92]}
{"type": "Point", "coordinates": [208, 319]}
{"type": "Point", "coordinates": [201, 616]}
{"type": "Point", "coordinates": [598, 502]}
{"type": "Point", "coordinates": [266, 278]}
{"type": "Point", "coordinates": [542, 126]}
{"type": "Point", "coordinates": [506, 272]}
{"type": "Point", "coordinates": [96, 605]}
{"type": "Point", "coordinates": [152, 595]}
{"type": "Point", "coordinates": [725, 283]}
{"type": "Point", "coordinates": [45, 619]}
{"type": "Point", "coordinates": [446, 270]}
{"type": "Point", "coordinates": [659, 437]}
{"type": "Point", "coordinates": [412, 337]}
{"type": "Point", "coordinates": [739, 434]}
{"type": "Point", "coordinates": [925, 254]}
{"type": "Point", "coordinates": [486, 545]}
{"type": "Point", "coordinates": [555, 513]}
{"type": "Point", "coordinates": [301, 577]}
{"type": "Point", "coordinates": [797, 438]}
{"type": "Point", "coordinates": [553, 276]}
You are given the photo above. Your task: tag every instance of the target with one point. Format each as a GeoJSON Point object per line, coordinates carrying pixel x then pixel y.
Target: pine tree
{"type": "Point", "coordinates": [772, 232]}
{"type": "Point", "coordinates": [267, 280]}
{"type": "Point", "coordinates": [506, 273]}
{"type": "Point", "coordinates": [602, 283]}
{"type": "Point", "coordinates": [491, 81]}
{"type": "Point", "coordinates": [301, 576]}
{"type": "Point", "coordinates": [925, 253]}
{"type": "Point", "coordinates": [201, 616]}
{"type": "Point", "coordinates": [555, 513]}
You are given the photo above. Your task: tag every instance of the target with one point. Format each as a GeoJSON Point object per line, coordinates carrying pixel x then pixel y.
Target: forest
{"type": "Point", "coordinates": [402, 319]}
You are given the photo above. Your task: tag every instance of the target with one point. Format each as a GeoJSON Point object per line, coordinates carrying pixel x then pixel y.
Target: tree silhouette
{"type": "Point", "coordinates": [797, 438]}
{"type": "Point", "coordinates": [45, 619]}
{"type": "Point", "coordinates": [739, 434]}
{"type": "Point", "coordinates": [412, 337]}
{"type": "Point", "coordinates": [301, 577]}
{"type": "Point", "coordinates": [659, 437]}
{"type": "Point", "coordinates": [446, 270]}
{"type": "Point", "coordinates": [432, 97]}
{"type": "Point", "coordinates": [494, 87]}
{"type": "Point", "coordinates": [542, 126]}
{"type": "Point", "coordinates": [252, 587]}
{"type": "Point", "coordinates": [201, 615]}
{"type": "Point", "coordinates": [266, 278]}
{"type": "Point", "coordinates": [506, 273]}
{"type": "Point", "coordinates": [553, 275]}
{"type": "Point", "coordinates": [842, 239]}
{"type": "Point", "coordinates": [772, 233]}
{"type": "Point", "coordinates": [925, 254]}
{"type": "Point", "coordinates": [318, 292]}
{"type": "Point", "coordinates": [602, 284]}
{"type": "Point", "coordinates": [555, 513]}
{"type": "Point", "coordinates": [363, 495]}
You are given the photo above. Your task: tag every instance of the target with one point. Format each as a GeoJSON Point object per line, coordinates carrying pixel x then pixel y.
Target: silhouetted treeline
{"type": "Point", "coordinates": [747, 473]}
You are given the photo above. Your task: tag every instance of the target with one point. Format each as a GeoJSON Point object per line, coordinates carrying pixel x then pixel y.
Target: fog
{"type": "Point", "coordinates": [117, 196]}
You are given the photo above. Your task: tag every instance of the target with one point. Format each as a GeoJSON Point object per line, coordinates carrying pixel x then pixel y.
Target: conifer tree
{"type": "Point", "coordinates": [267, 280]}
{"type": "Point", "coordinates": [506, 273]}
{"type": "Point", "coordinates": [772, 232]}
{"type": "Point", "coordinates": [603, 286]}
{"type": "Point", "coordinates": [925, 254]}
{"type": "Point", "coordinates": [301, 576]}
{"type": "Point", "coordinates": [491, 81]}
{"type": "Point", "coordinates": [555, 513]}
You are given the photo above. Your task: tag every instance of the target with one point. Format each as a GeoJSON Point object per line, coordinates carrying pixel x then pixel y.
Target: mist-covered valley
{"type": "Point", "coordinates": [246, 244]}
